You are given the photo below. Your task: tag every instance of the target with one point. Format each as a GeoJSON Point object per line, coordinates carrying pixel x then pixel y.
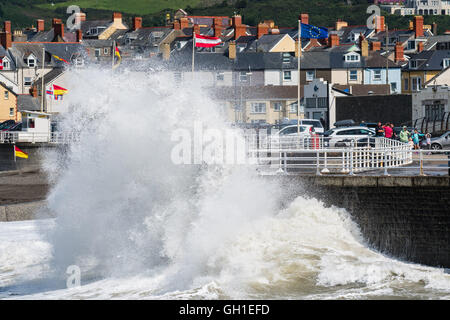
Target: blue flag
{"type": "Point", "coordinates": [313, 32]}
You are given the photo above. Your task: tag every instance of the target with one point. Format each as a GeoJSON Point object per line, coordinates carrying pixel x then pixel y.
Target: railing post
{"type": "Point", "coordinates": [385, 163]}
{"type": "Point", "coordinates": [421, 162]}
{"type": "Point", "coordinates": [318, 163]}
{"type": "Point", "coordinates": [325, 169]}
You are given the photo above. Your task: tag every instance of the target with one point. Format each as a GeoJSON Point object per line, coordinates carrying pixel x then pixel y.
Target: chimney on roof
{"type": "Point", "coordinates": [380, 25]}
{"type": "Point", "coordinates": [176, 25]}
{"type": "Point", "coordinates": [334, 40]}
{"type": "Point", "coordinates": [6, 40]}
{"type": "Point", "coordinates": [232, 50]}
{"type": "Point", "coordinates": [40, 23]}
{"type": "Point", "coordinates": [55, 21]}
{"type": "Point", "coordinates": [399, 52]}
{"type": "Point", "coordinates": [7, 26]}
{"type": "Point", "coordinates": [304, 18]}
{"type": "Point", "coordinates": [262, 29]}
{"type": "Point", "coordinates": [435, 29]}
{"type": "Point", "coordinates": [58, 29]}
{"type": "Point", "coordinates": [364, 48]}
{"type": "Point", "coordinates": [166, 51]}
{"type": "Point", "coordinates": [420, 46]}
{"type": "Point", "coordinates": [418, 26]}
{"type": "Point", "coordinates": [196, 29]}
{"type": "Point", "coordinates": [117, 17]}
{"type": "Point", "coordinates": [184, 23]}
{"type": "Point", "coordinates": [79, 35]}
{"type": "Point", "coordinates": [137, 23]}
{"type": "Point", "coordinates": [376, 46]}
{"type": "Point", "coordinates": [236, 20]}
{"type": "Point", "coordinates": [217, 27]}
{"type": "Point", "coordinates": [341, 24]}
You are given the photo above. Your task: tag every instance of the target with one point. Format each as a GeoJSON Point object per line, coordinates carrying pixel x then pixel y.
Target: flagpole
{"type": "Point", "coordinates": [113, 54]}
{"type": "Point", "coordinates": [14, 151]}
{"type": "Point", "coordinates": [42, 84]}
{"type": "Point", "coordinates": [193, 53]}
{"type": "Point", "coordinates": [299, 75]}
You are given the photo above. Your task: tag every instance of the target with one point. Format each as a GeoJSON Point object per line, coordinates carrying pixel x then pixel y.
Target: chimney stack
{"type": "Point", "coordinates": [7, 26]}
{"type": "Point", "coordinates": [420, 47]}
{"type": "Point", "coordinates": [217, 27]}
{"type": "Point", "coordinates": [341, 24]}
{"type": "Point", "coordinates": [380, 25]}
{"type": "Point", "coordinates": [40, 25]}
{"type": "Point", "coordinates": [184, 23]}
{"type": "Point", "coordinates": [239, 28]}
{"type": "Point", "coordinates": [6, 40]}
{"type": "Point", "coordinates": [176, 25]}
{"type": "Point", "coordinates": [55, 21]}
{"type": "Point", "coordinates": [236, 20]}
{"type": "Point", "coordinates": [365, 48]}
{"type": "Point", "coordinates": [435, 29]}
{"type": "Point", "coordinates": [79, 35]}
{"type": "Point", "coordinates": [334, 40]}
{"type": "Point", "coordinates": [304, 18]}
{"type": "Point", "coordinates": [418, 26]}
{"type": "Point", "coordinates": [196, 29]}
{"type": "Point", "coordinates": [399, 52]}
{"type": "Point", "coordinates": [376, 46]}
{"type": "Point", "coordinates": [262, 29]}
{"type": "Point", "coordinates": [117, 17]}
{"type": "Point", "coordinates": [137, 23]}
{"type": "Point", "coordinates": [232, 50]}
{"type": "Point", "coordinates": [59, 30]}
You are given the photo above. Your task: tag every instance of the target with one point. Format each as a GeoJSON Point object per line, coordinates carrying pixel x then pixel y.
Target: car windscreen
{"type": "Point", "coordinates": [291, 130]}
{"type": "Point", "coordinates": [328, 133]}
{"type": "Point", "coordinates": [315, 124]}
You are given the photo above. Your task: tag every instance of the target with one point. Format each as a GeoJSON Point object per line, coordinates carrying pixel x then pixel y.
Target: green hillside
{"type": "Point", "coordinates": [23, 13]}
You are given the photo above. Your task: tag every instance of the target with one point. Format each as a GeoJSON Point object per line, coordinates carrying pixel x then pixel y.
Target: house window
{"type": "Point", "coordinates": [11, 112]}
{"type": "Point", "coordinates": [446, 63]}
{"type": "Point", "coordinates": [377, 75]}
{"type": "Point", "coordinates": [258, 107]}
{"type": "Point", "coordinates": [353, 75]}
{"type": "Point", "coordinates": [243, 76]}
{"type": "Point", "coordinates": [277, 106]}
{"type": "Point", "coordinates": [27, 81]}
{"type": "Point", "coordinates": [411, 45]}
{"type": "Point", "coordinates": [6, 64]}
{"type": "Point", "coordinates": [287, 75]}
{"type": "Point", "coordinates": [220, 76]}
{"type": "Point", "coordinates": [406, 84]}
{"type": "Point", "coordinates": [416, 84]}
{"type": "Point", "coordinates": [293, 108]}
{"type": "Point", "coordinates": [93, 31]}
{"type": "Point", "coordinates": [6, 95]}
{"type": "Point", "coordinates": [105, 51]}
{"type": "Point", "coordinates": [310, 75]}
{"type": "Point", "coordinates": [413, 64]}
{"type": "Point", "coordinates": [31, 62]}
{"type": "Point", "coordinates": [393, 86]}
{"type": "Point", "coordinates": [97, 53]}
{"type": "Point", "coordinates": [435, 111]}
{"type": "Point", "coordinates": [352, 57]}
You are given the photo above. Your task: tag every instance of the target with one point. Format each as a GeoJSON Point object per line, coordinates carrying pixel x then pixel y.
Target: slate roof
{"type": "Point", "coordinates": [429, 60]}
{"type": "Point", "coordinates": [28, 102]}
{"type": "Point", "coordinates": [258, 93]}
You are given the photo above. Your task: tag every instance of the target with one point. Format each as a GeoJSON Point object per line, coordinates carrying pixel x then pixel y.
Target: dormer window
{"type": "Point", "coordinates": [31, 61]}
{"type": "Point", "coordinates": [5, 63]}
{"type": "Point", "coordinates": [93, 31]}
{"type": "Point", "coordinates": [352, 57]}
{"type": "Point", "coordinates": [446, 63]}
{"type": "Point", "coordinates": [413, 64]}
{"type": "Point", "coordinates": [286, 57]}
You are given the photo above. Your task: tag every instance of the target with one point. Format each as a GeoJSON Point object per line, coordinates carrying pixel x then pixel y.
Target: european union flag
{"type": "Point", "coordinates": [313, 32]}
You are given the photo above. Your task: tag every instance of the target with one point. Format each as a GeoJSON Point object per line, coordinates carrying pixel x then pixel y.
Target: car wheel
{"type": "Point", "coordinates": [436, 146]}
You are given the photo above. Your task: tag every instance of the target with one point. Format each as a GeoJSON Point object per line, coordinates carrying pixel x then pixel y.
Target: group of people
{"type": "Point", "coordinates": [412, 138]}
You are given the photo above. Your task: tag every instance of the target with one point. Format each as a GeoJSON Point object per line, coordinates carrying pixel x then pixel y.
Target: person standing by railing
{"type": "Point", "coordinates": [388, 132]}
{"type": "Point", "coordinates": [379, 131]}
{"type": "Point", "coordinates": [404, 135]}
{"type": "Point", "coordinates": [416, 139]}
{"type": "Point", "coordinates": [428, 136]}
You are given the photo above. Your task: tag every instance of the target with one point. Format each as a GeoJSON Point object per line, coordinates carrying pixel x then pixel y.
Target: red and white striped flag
{"type": "Point", "coordinates": [206, 42]}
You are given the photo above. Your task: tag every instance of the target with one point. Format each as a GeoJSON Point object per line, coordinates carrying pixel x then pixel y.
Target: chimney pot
{"type": "Point", "coordinates": [137, 23]}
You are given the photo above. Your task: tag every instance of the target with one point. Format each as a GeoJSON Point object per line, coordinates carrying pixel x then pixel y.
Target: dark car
{"type": "Point", "coordinates": [16, 127]}
{"type": "Point", "coordinates": [344, 123]}
{"type": "Point", "coordinates": [369, 124]}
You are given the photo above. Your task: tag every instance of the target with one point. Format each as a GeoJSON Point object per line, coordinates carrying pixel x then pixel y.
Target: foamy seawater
{"type": "Point", "coordinates": [140, 226]}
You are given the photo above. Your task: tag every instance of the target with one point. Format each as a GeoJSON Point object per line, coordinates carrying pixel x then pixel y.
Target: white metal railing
{"type": "Point", "coordinates": [294, 155]}
{"type": "Point", "coordinates": [37, 137]}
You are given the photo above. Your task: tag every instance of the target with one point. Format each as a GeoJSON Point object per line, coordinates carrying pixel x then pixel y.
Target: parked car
{"type": "Point", "coordinates": [442, 142]}
{"type": "Point", "coordinates": [345, 123]}
{"type": "Point", "coordinates": [369, 124]}
{"type": "Point", "coordinates": [316, 124]}
{"type": "Point", "coordinates": [343, 137]}
{"type": "Point", "coordinates": [290, 134]}
{"type": "Point", "coordinates": [16, 127]}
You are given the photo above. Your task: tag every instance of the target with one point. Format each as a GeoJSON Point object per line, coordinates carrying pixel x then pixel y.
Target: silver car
{"type": "Point", "coordinates": [343, 137]}
{"type": "Point", "coordinates": [442, 142]}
